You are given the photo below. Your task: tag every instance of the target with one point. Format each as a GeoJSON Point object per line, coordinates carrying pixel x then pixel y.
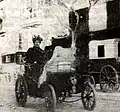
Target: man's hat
{"type": "Point", "coordinates": [37, 38]}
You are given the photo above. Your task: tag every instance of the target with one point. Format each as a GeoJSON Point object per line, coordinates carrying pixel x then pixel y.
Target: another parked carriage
{"type": "Point", "coordinates": [104, 56]}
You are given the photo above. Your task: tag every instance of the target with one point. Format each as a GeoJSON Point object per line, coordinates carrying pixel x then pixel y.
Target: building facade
{"type": "Point", "coordinates": [48, 18]}
{"type": "Point", "coordinates": [21, 19]}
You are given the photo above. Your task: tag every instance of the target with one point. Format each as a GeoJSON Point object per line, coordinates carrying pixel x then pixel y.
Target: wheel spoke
{"type": "Point", "coordinates": [85, 100]}
{"type": "Point", "coordinates": [85, 93]}
{"type": "Point", "coordinates": [106, 73]}
{"type": "Point", "coordinates": [89, 92]}
{"type": "Point", "coordinates": [108, 69]}
{"type": "Point", "coordinates": [103, 78]}
{"type": "Point", "coordinates": [87, 103]}
{"type": "Point", "coordinates": [113, 78]}
{"type": "Point", "coordinates": [104, 86]}
{"type": "Point", "coordinates": [103, 83]}
{"type": "Point", "coordinates": [90, 104]}
{"type": "Point", "coordinates": [91, 95]}
{"type": "Point", "coordinates": [111, 86]}
{"type": "Point", "coordinates": [92, 99]}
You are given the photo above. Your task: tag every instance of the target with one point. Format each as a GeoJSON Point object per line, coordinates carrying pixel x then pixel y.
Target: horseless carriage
{"type": "Point", "coordinates": [60, 83]}
{"type": "Point", "coordinates": [104, 56]}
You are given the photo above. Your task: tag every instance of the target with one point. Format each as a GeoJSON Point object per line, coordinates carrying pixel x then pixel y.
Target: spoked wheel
{"type": "Point", "coordinates": [50, 99]}
{"type": "Point", "coordinates": [21, 91]}
{"type": "Point", "coordinates": [108, 79]}
{"type": "Point", "coordinates": [88, 97]}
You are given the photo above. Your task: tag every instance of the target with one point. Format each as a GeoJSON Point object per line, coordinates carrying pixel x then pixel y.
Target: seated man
{"type": "Point", "coordinates": [35, 56]}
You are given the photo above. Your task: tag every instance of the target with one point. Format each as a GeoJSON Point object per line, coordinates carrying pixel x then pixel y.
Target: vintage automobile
{"type": "Point", "coordinates": [104, 56]}
{"type": "Point", "coordinates": [61, 81]}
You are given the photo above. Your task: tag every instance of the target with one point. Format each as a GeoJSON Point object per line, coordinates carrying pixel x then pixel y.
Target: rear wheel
{"type": "Point", "coordinates": [108, 79]}
{"type": "Point", "coordinates": [50, 99]}
{"type": "Point", "coordinates": [88, 97]}
{"type": "Point", "coordinates": [21, 91]}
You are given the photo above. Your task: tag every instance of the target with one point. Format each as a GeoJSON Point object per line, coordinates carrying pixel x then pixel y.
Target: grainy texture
{"type": "Point", "coordinates": [21, 19]}
{"type": "Point", "coordinates": [106, 102]}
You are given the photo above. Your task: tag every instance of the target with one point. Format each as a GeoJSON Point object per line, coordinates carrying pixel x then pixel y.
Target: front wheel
{"type": "Point", "coordinates": [88, 97]}
{"type": "Point", "coordinates": [50, 98]}
{"type": "Point", "coordinates": [21, 91]}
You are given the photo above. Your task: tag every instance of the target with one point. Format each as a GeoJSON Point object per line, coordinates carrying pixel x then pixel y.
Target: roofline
{"type": "Point", "coordinates": [114, 40]}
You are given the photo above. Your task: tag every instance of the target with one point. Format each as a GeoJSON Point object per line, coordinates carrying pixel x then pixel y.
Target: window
{"type": "Point", "coordinates": [18, 58]}
{"type": "Point", "coordinates": [118, 49]}
{"type": "Point", "coordinates": [8, 59]}
{"type": "Point", "coordinates": [12, 56]}
{"type": "Point", "coordinates": [101, 51]}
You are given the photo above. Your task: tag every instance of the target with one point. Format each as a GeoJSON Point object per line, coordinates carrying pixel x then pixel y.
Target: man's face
{"type": "Point", "coordinates": [37, 43]}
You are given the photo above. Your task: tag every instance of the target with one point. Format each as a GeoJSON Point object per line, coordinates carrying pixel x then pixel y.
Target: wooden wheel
{"type": "Point", "coordinates": [108, 78]}
{"type": "Point", "coordinates": [88, 97]}
{"type": "Point", "coordinates": [50, 99]}
{"type": "Point", "coordinates": [21, 91]}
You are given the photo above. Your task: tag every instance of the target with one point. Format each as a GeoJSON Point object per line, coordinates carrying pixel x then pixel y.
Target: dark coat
{"type": "Point", "coordinates": [35, 54]}
{"type": "Point", "coordinates": [36, 57]}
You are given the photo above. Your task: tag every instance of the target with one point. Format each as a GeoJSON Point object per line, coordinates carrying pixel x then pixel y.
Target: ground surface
{"type": "Point", "coordinates": [106, 102]}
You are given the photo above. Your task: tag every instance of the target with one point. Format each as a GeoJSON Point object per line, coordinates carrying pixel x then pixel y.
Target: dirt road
{"type": "Point", "coordinates": [106, 102]}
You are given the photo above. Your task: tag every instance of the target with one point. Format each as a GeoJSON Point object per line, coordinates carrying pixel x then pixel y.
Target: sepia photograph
{"type": "Point", "coordinates": [59, 55]}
